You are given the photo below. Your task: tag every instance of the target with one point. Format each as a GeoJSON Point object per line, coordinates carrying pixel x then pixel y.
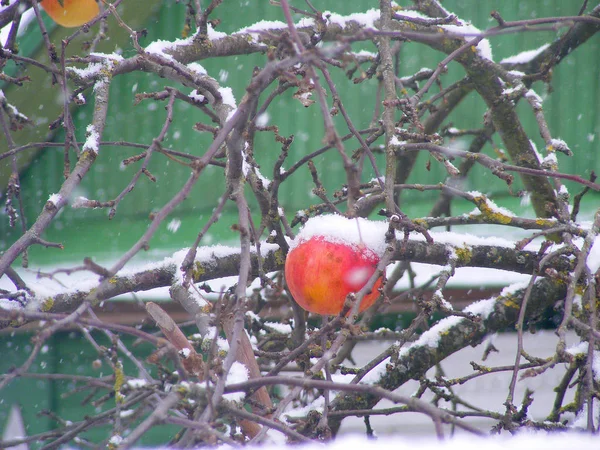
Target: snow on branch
{"type": "Point", "coordinates": [450, 335]}
{"type": "Point", "coordinates": [220, 261]}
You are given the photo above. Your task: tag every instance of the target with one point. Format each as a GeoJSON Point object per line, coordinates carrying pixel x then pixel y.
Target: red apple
{"type": "Point", "coordinates": [71, 13]}
{"type": "Point", "coordinates": [320, 273]}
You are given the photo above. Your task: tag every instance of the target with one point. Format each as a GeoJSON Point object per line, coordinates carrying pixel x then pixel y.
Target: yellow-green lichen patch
{"type": "Point", "coordinates": [545, 223]}
{"type": "Point", "coordinates": [421, 222]}
{"type": "Point", "coordinates": [119, 380]}
{"type": "Point", "coordinates": [47, 304]}
{"type": "Point", "coordinates": [490, 214]}
{"type": "Point", "coordinates": [463, 255]}
{"type": "Point", "coordinates": [510, 302]}
{"type": "Point", "coordinates": [199, 270]}
{"type": "Point", "coordinates": [279, 257]}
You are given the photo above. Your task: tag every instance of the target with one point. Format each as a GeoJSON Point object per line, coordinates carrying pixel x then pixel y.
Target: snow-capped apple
{"type": "Point", "coordinates": [331, 257]}
{"type": "Point", "coordinates": [71, 13]}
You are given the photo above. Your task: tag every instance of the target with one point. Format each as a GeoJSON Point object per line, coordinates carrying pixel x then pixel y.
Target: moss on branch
{"type": "Point", "coordinates": [418, 358]}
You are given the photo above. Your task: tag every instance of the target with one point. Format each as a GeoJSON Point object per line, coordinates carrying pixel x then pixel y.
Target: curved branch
{"type": "Point", "coordinates": [453, 334]}
{"type": "Point", "coordinates": [210, 268]}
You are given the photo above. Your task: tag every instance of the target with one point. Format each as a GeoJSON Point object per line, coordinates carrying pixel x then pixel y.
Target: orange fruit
{"type": "Point", "coordinates": [321, 272]}
{"type": "Point", "coordinates": [72, 13]}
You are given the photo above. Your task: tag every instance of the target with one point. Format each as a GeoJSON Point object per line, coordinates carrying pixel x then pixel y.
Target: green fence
{"type": "Point", "coordinates": [42, 400]}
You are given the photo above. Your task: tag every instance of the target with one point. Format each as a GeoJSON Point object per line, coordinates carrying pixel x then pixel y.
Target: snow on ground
{"type": "Point", "coordinates": [524, 441]}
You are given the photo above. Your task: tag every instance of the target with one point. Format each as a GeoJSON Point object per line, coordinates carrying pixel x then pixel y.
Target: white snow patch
{"type": "Point", "coordinates": [431, 337]}
{"type": "Point", "coordinates": [462, 239]}
{"type": "Point", "coordinates": [231, 114]}
{"type": "Point", "coordinates": [160, 46]}
{"type": "Point", "coordinates": [198, 68]}
{"type": "Point", "coordinates": [255, 30]}
{"type": "Point", "coordinates": [559, 145]}
{"type": "Point", "coordinates": [550, 159]}
{"type": "Point", "coordinates": [512, 90]}
{"type": "Point", "coordinates": [282, 328]}
{"type": "Point", "coordinates": [227, 95]}
{"type": "Point", "coordinates": [88, 72]}
{"type": "Point", "coordinates": [253, 316]}
{"type": "Point", "coordinates": [195, 96]}
{"type": "Point", "coordinates": [513, 288]}
{"type": "Point", "coordinates": [213, 34]}
{"type": "Point", "coordinates": [365, 19]}
{"type": "Point", "coordinates": [237, 374]}
{"type": "Point", "coordinates": [482, 308]}
{"type": "Point", "coordinates": [524, 440]}
{"type": "Point", "coordinates": [126, 413]}
{"type": "Point", "coordinates": [446, 304]}
{"type": "Point", "coordinates": [365, 54]}
{"type": "Point", "coordinates": [535, 150]}
{"type": "Point", "coordinates": [9, 305]}
{"type": "Point", "coordinates": [395, 142]}
{"type": "Point", "coordinates": [204, 255]}
{"type": "Point", "coordinates": [200, 301]}
{"type": "Point", "coordinates": [524, 57]}
{"type": "Point", "coordinates": [516, 73]}
{"type": "Point", "coordinates": [92, 141]}
{"type": "Point", "coordinates": [115, 440]}
{"type": "Point", "coordinates": [484, 49]}
{"type": "Point", "coordinates": [137, 383]}
{"type": "Point", "coordinates": [339, 229]}
{"type": "Point", "coordinates": [492, 206]}
{"type": "Point", "coordinates": [111, 56]}
{"type": "Point", "coordinates": [55, 199]}
{"type": "Point", "coordinates": [578, 349]}
{"type": "Point", "coordinates": [534, 98]}
{"type": "Point", "coordinates": [412, 14]}
{"type": "Point", "coordinates": [301, 411]}
{"type": "Point", "coordinates": [223, 344]}
{"type": "Point", "coordinates": [581, 421]}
